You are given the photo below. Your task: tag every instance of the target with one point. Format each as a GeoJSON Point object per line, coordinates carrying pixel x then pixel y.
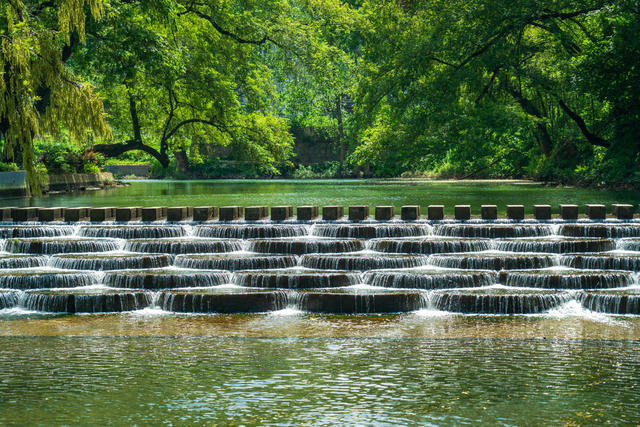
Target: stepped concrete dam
{"type": "Point", "coordinates": [254, 259]}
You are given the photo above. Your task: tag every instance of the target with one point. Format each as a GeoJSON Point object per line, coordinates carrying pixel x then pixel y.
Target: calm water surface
{"type": "Point", "coordinates": [328, 192]}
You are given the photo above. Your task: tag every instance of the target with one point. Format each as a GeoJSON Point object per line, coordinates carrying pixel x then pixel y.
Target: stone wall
{"type": "Point", "coordinates": [141, 170]}
{"type": "Point", "coordinates": [78, 181]}
{"type": "Point", "coordinates": [13, 183]}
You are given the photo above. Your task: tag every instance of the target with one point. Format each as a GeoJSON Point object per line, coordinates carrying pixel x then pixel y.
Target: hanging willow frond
{"type": "Point", "coordinates": [38, 93]}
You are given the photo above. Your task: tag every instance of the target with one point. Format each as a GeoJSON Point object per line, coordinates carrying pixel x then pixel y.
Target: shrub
{"type": "Point", "coordinates": [8, 167]}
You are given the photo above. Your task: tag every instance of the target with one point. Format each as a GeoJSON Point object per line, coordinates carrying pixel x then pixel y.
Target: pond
{"type": "Point", "coordinates": [333, 192]}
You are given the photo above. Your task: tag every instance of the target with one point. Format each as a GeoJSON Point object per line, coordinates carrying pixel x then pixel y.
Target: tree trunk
{"type": "Point", "coordinates": [340, 128]}
{"type": "Point", "coordinates": [544, 139]}
{"type": "Point", "coordinates": [182, 162]}
{"type": "Point", "coordinates": [114, 150]}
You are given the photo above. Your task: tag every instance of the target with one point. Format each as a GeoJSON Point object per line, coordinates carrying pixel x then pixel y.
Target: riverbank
{"type": "Point", "coordinates": [13, 184]}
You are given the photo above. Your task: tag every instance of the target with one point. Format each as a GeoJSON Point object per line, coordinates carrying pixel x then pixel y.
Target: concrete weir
{"type": "Point", "coordinates": [348, 260]}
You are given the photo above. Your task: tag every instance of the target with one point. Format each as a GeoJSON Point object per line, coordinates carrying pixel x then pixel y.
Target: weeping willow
{"type": "Point", "coordinates": [39, 95]}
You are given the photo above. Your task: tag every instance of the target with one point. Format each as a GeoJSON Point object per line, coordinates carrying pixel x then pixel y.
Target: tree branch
{"type": "Point", "coordinates": [486, 88]}
{"type": "Point", "coordinates": [206, 122]}
{"type": "Point", "coordinates": [222, 31]}
{"type": "Point", "coordinates": [114, 150]}
{"type": "Point", "coordinates": [550, 14]}
{"type": "Point", "coordinates": [591, 137]}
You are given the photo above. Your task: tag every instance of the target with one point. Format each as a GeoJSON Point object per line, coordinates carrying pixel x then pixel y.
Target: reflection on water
{"type": "Point", "coordinates": [332, 192]}
{"type": "Point", "coordinates": [229, 381]}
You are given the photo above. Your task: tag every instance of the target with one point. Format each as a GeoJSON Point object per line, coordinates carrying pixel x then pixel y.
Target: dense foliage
{"type": "Point", "coordinates": [548, 89]}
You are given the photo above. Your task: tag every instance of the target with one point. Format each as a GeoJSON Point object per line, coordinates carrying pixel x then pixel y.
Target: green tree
{"type": "Point", "coordinates": [170, 77]}
{"type": "Point", "coordinates": [472, 82]}
{"type": "Point", "coordinates": [39, 93]}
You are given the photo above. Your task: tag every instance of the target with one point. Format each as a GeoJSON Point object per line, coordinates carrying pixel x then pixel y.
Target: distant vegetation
{"type": "Point", "coordinates": [547, 89]}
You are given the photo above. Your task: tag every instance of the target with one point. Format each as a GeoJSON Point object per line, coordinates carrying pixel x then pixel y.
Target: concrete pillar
{"type": "Point", "coordinates": [622, 211]}
{"type": "Point", "coordinates": [332, 213]}
{"type": "Point", "coordinates": [358, 213]}
{"type": "Point", "coordinates": [410, 213]}
{"type": "Point", "coordinates": [307, 213]}
{"type": "Point", "coordinates": [230, 213]}
{"type": "Point", "coordinates": [205, 213]}
{"type": "Point", "coordinates": [596, 211]}
{"type": "Point", "coordinates": [24, 214]}
{"type": "Point", "coordinates": [435, 212]}
{"type": "Point", "coordinates": [255, 213]}
{"type": "Point", "coordinates": [489, 212]}
{"type": "Point", "coordinates": [569, 212]}
{"type": "Point", "coordinates": [102, 214]}
{"type": "Point", "coordinates": [384, 213]}
{"type": "Point", "coordinates": [50, 214]}
{"type": "Point", "coordinates": [542, 212]}
{"type": "Point", "coordinates": [76, 214]}
{"type": "Point", "coordinates": [154, 213]}
{"type": "Point", "coordinates": [515, 212]}
{"type": "Point", "coordinates": [281, 213]}
{"type": "Point", "coordinates": [462, 212]}
{"type": "Point", "coordinates": [179, 213]}
{"type": "Point", "coordinates": [128, 214]}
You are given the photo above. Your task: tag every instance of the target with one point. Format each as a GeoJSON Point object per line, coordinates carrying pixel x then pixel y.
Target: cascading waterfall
{"type": "Point", "coordinates": [567, 279]}
{"type": "Point", "coordinates": [133, 231]}
{"type": "Point", "coordinates": [8, 232]}
{"type": "Point", "coordinates": [183, 245]}
{"type": "Point", "coordinates": [21, 279]}
{"type": "Point", "coordinates": [361, 261]}
{"type": "Point", "coordinates": [493, 261]}
{"type": "Point", "coordinates": [430, 279]}
{"type": "Point", "coordinates": [8, 299]}
{"type": "Point", "coordinates": [492, 231]}
{"type": "Point", "coordinates": [22, 261]}
{"type": "Point", "coordinates": [251, 231]}
{"type": "Point", "coordinates": [305, 246]}
{"type": "Point", "coordinates": [370, 231]}
{"type": "Point", "coordinates": [348, 301]}
{"type": "Point", "coordinates": [605, 261]}
{"type": "Point", "coordinates": [600, 230]}
{"type": "Point", "coordinates": [629, 244]}
{"type": "Point", "coordinates": [613, 302]}
{"type": "Point", "coordinates": [165, 278]}
{"type": "Point", "coordinates": [555, 245]}
{"type": "Point", "coordinates": [235, 261]}
{"type": "Point", "coordinates": [51, 246]}
{"type": "Point", "coordinates": [295, 279]}
{"type": "Point", "coordinates": [497, 301]}
{"type": "Point", "coordinates": [222, 301]}
{"type": "Point", "coordinates": [98, 262]}
{"type": "Point", "coordinates": [430, 245]}
{"type": "Point", "coordinates": [86, 302]}
{"type": "Point", "coordinates": [343, 268]}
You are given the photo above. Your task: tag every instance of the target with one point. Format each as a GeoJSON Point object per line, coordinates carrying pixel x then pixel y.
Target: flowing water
{"type": "Point", "coordinates": [320, 323]}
